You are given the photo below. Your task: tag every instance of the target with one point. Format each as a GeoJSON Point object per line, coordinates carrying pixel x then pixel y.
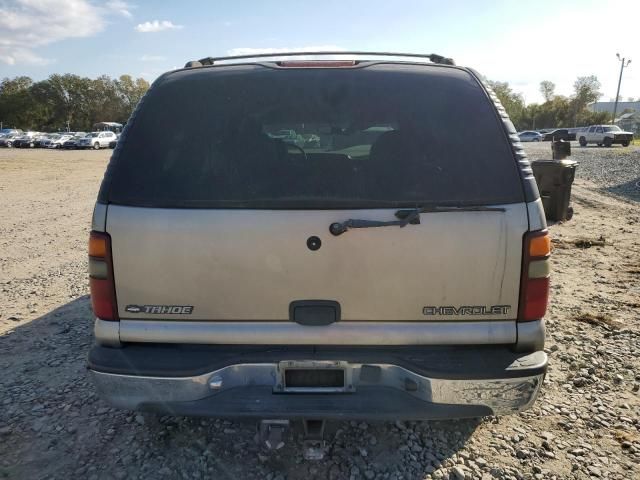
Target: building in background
{"type": "Point", "coordinates": [608, 106]}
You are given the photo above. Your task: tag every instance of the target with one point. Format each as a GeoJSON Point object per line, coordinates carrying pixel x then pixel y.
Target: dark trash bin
{"type": "Point", "coordinates": [554, 179]}
{"type": "Point", "coordinates": [560, 149]}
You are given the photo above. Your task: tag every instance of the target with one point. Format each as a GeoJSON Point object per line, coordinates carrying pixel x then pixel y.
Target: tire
{"type": "Point", "coordinates": [625, 144]}
{"type": "Point", "coordinates": [536, 139]}
{"type": "Point", "coordinates": [9, 144]}
{"type": "Point", "coordinates": [583, 142]}
{"type": "Point", "coordinates": [96, 146]}
{"type": "Point", "coordinates": [32, 145]}
{"type": "Point", "coordinates": [608, 142]}
{"type": "Point", "coordinates": [599, 144]}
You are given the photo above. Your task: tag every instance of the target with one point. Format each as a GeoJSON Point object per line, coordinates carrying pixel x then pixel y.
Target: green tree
{"type": "Point", "coordinates": [9, 86]}
{"type": "Point", "coordinates": [68, 99]}
{"type": "Point", "coordinates": [16, 103]}
{"type": "Point", "coordinates": [512, 102]}
{"type": "Point", "coordinates": [547, 89]}
{"type": "Point", "coordinates": [587, 90]}
{"type": "Point", "coordinates": [130, 92]}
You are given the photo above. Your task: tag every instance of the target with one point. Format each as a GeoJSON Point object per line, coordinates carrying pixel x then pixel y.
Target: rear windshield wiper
{"type": "Point", "coordinates": [405, 217]}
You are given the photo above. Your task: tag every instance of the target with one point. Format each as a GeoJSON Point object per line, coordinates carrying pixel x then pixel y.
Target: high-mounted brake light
{"type": "Point", "coordinates": [534, 286]}
{"type": "Point", "coordinates": [317, 63]}
{"type": "Point", "coordinates": [101, 282]}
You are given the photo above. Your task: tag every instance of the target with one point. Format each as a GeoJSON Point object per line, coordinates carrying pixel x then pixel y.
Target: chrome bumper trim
{"type": "Point", "coordinates": [501, 395]}
{"type": "Point", "coordinates": [341, 333]}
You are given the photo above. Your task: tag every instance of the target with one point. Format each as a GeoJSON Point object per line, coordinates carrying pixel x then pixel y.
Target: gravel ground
{"type": "Point", "coordinates": [586, 423]}
{"type": "Point", "coordinates": [615, 170]}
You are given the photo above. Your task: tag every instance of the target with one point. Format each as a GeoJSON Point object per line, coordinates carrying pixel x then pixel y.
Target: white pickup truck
{"type": "Point", "coordinates": [605, 135]}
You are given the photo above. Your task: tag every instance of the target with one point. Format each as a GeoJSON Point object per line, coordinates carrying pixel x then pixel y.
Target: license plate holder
{"type": "Point", "coordinates": [314, 376]}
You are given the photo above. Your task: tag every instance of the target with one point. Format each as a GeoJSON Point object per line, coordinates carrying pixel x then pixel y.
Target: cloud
{"type": "Point", "coordinates": [19, 55]}
{"type": "Point", "coordinates": [119, 7]}
{"type": "Point", "coordinates": [156, 26]}
{"type": "Point", "coordinates": [26, 25]}
{"type": "Point", "coordinates": [152, 58]}
{"type": "Point", "coordinates": [254, 51]}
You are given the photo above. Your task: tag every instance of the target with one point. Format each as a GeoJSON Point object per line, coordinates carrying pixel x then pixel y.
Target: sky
{"type": "Point", "coordinates": [518, 42]}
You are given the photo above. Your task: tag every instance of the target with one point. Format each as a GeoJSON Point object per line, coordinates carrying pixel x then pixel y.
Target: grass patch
{"type": "Point", "coordinates": [598, 320]}
{"type": "Point", "coordinates": [580, 243]}
{"type": "Point", "coordinates": [588, 243]}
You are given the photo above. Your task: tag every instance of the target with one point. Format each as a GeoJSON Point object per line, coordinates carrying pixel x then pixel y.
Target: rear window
{"type": "Point", "coordinates": [260, 137]}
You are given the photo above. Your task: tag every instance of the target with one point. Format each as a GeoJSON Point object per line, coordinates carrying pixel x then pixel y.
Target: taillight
{"type": "Point", "coordinates": [101, 283]}
{"type": "Point", "coordinates": [534, 288]}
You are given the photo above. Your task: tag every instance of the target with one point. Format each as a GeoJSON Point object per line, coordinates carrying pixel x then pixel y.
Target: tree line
{"type": "Point", "coordinates": [556, 110]}
{"type": "Point", "coordinates": [68, 101]}
{"type": "Point", "coordinates": [74, 102]}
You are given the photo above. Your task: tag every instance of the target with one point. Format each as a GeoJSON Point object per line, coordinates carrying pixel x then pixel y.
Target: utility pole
{"type": "Point", "coordinates": [624, 63]}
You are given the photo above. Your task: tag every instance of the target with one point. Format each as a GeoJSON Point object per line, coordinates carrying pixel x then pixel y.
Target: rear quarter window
{"type": "Point", "coordinates": [386, 135]}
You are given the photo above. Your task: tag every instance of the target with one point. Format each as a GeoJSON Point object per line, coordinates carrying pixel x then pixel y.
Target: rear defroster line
{"type": "Point", "coordinates": [406, 217]}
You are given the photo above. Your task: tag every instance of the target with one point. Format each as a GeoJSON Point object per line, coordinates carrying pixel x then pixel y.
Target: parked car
{"type": "Point", "coordinates": [72, 143]}
{"type": "Point", "coordinates": [606, 135]}
{"type": "Point", "coordinates": [558, 134]}
{"type": "Point", "coordinates": [530, 136]}
{"type": "Point", "coordinates": [113, 143]}
{"type": "Point", "coordinates": [7, 140]}
{"type": "Point", "coordinates": [40, 139]}
{"type": "Point", "coordinates": [56, 140]}
{"type": "Point", "coordinates": [10, 131]}
{"type": "Point", "coordinates": [574, 132]}
{"type": "Point", "coordinates": [256, 281]}
{"type": "Point", "coordinates": [96, 140]}
{"type": "Point", "coordinates": [26, 140]}
{"type": "Point", "coordinates": [45, 142]}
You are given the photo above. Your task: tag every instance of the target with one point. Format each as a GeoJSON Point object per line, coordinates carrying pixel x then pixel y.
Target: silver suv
{"type": "Point", "coordinates": [396, 269]}
{"type": "Point", "coordinates": [96, 140]}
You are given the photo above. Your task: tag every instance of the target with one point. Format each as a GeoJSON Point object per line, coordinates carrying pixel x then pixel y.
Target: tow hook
{"type": "Point", "coordinates": [315, 446]}
{"type": "Point", "coordinates": [272, 433]}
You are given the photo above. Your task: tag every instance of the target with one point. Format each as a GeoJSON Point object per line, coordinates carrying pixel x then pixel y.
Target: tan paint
{"type": "Point", "coordinates": [250, 264]}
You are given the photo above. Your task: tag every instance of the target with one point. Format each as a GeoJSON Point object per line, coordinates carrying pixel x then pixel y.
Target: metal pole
{"type": "Point", "coordinates": [615, 105]}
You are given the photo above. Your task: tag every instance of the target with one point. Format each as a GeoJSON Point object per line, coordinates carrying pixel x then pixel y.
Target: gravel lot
{"type": "Point", "coordinates": [585, 425]}
{"type": "Point", "coordinates": [615, 169]}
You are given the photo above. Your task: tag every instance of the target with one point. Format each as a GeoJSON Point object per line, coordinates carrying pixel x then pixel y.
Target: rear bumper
{"type": "Point", "coordinates": [383, 383]}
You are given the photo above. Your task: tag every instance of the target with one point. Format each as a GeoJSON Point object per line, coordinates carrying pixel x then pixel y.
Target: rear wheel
{"type": "Point", "coordinates": [608, 142]}
{"type": "Point", "coordinates": [96, 146]}
{"type": "Point", "coordinates": [625, 143]}
{"type": "Point", "coordinates": [583, 142]}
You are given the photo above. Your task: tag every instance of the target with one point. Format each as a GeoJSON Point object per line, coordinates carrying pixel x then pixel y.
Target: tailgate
{"type": "Point", "coordinates": [251, 264]}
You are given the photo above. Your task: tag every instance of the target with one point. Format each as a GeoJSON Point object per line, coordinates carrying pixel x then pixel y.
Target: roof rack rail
{"type": "Point", "coordinates": [433, 57]}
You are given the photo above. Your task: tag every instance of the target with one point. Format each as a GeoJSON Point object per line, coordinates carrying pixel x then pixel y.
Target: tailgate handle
{"type": "Point", "coordinates": [314, 312]}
